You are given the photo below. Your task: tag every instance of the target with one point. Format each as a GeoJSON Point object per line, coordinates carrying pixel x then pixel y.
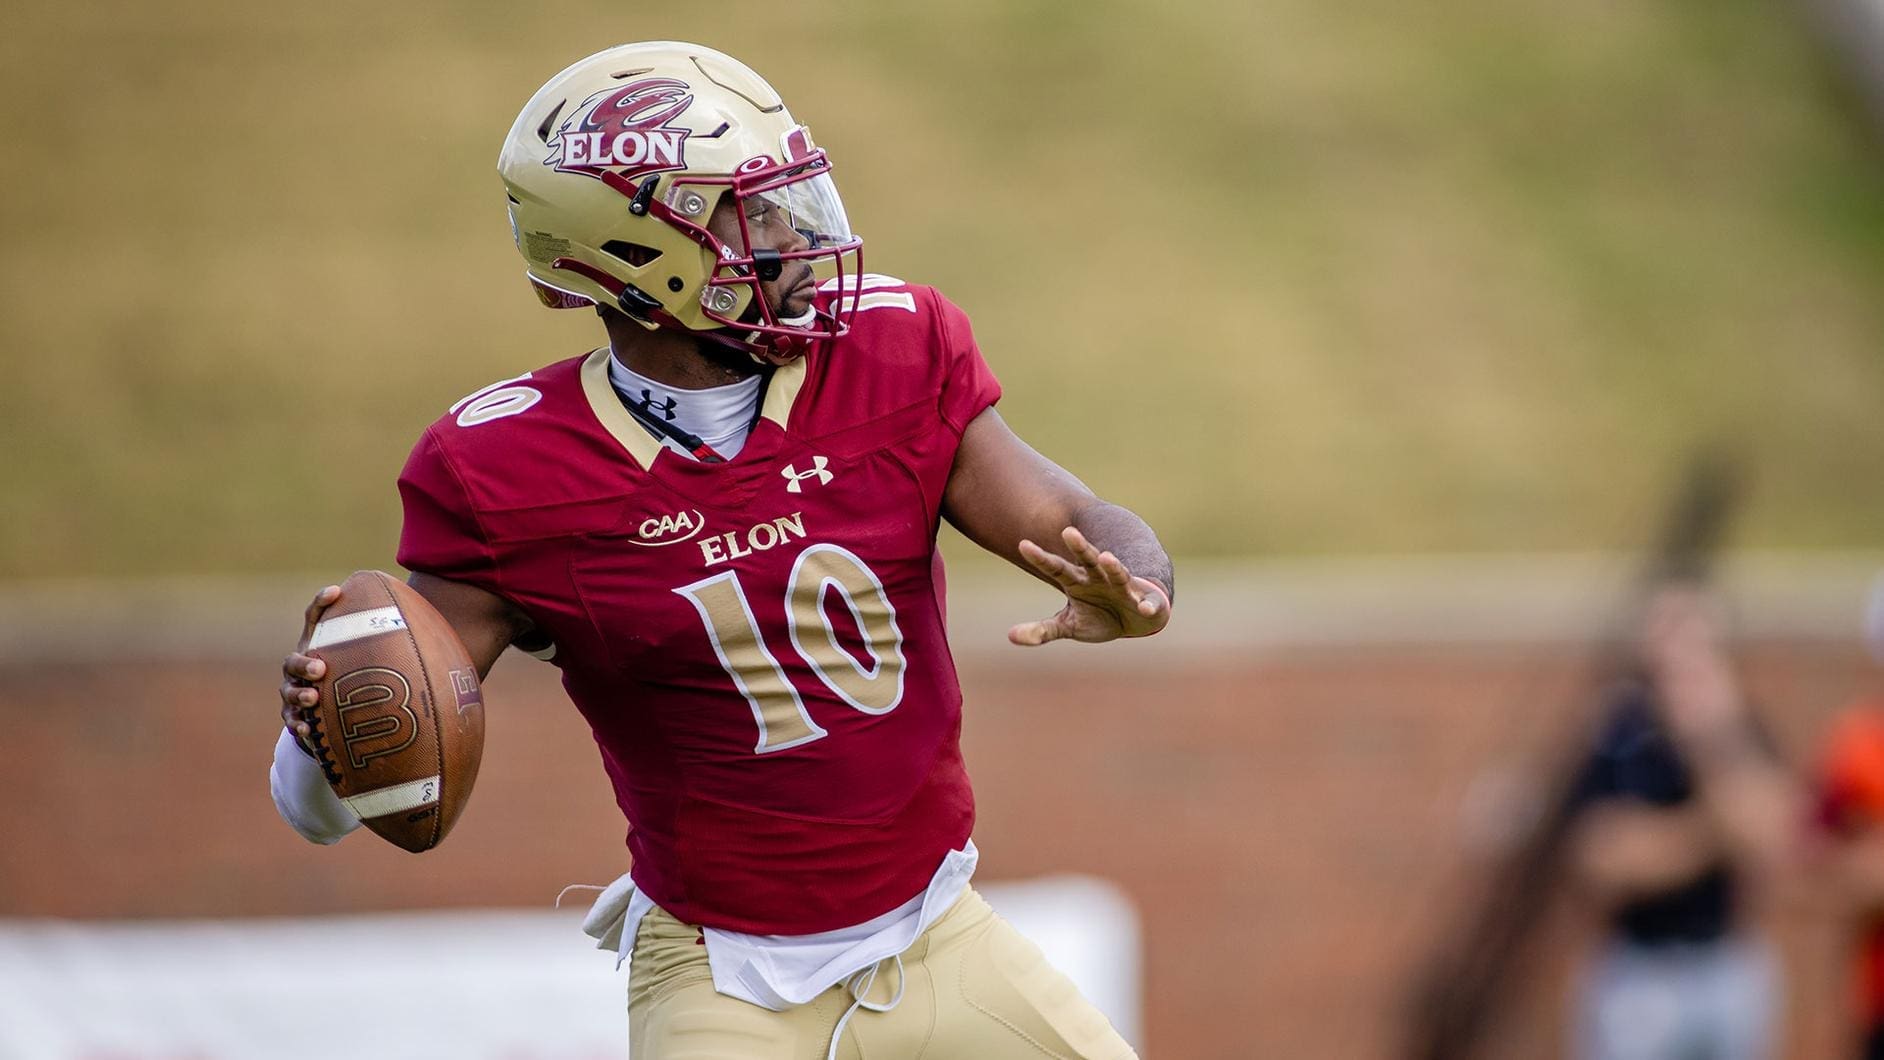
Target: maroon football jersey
{"type": "Point", "coordinates": [758, 645]}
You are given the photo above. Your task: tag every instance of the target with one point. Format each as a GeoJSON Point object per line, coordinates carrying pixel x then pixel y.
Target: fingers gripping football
{"type": "Point", "coordinates": [299, 671]}
{"type": "Point", "coordinates": [1104, 600]}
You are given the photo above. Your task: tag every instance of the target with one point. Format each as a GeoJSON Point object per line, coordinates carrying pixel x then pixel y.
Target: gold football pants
{"type": "Point", "coordinates": [973, 989]}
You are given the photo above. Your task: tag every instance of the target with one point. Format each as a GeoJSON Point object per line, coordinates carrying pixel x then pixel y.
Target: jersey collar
{"type": "Point", "coordinates": [644, 448]}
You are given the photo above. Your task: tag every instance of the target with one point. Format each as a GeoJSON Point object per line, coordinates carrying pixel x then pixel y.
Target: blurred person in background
{"type": "Point", "coordinates": [1849, 815]}
{"type": "Point", "coordinates": [1683, 808]}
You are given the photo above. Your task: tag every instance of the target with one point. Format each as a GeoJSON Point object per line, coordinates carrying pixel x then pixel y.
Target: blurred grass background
{"type": "Point", "coordinates": [1288, 277]}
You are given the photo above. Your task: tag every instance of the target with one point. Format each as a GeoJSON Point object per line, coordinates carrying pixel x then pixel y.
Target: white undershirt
{"type": "Point", "coordinates": [780, 971]}
{"type": "Point", "coordinates": [720, 416]}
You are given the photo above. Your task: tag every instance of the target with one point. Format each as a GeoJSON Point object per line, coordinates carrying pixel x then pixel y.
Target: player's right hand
{"type": "Point", "coordinates": [300, 670]}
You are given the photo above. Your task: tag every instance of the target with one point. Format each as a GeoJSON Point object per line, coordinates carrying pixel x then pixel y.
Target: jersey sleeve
{"type": "Point", "coordinates": [968, 384]}
{"type": "Point", "coordinates": [440, 534]}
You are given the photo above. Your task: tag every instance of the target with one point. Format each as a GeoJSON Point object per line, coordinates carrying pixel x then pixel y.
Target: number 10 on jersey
{"type": "Point", "coordinates": [776, 704]}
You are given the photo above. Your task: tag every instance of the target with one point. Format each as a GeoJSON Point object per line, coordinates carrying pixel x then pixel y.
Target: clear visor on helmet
{"type": "Point", "coordinates": [811, 205]}
{"type": "Point", "coordinates": [794, 190]}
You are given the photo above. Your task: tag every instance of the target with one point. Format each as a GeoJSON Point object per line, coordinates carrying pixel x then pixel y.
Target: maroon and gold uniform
{"type": "Point", "coordinates": [757, 644]}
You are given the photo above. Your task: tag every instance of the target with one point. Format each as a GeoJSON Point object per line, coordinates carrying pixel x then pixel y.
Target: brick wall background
{"type": "Point", "coordinates": [1291, 817]}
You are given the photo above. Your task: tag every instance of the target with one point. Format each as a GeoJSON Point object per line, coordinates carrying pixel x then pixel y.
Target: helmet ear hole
{"type": "Point", "coordinates": [635, 254]}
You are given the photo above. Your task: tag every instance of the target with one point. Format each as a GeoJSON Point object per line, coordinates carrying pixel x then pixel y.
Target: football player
{"type": "Point", "coordinates": [721, 526]}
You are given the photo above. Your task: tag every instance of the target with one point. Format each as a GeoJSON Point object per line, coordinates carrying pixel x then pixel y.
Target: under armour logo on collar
{"type": "Point", "coordinates": [794, 479]}
{"type": "Point", "coordinates": [650, 406]}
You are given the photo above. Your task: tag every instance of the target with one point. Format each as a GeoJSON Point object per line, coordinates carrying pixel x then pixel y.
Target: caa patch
{"type": "Point", "coordinates": [668, 529]}
{"type": "Point", "coordinates": [624, 129]}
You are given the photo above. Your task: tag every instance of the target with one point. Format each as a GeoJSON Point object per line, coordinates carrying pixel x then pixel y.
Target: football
{"type": "Point", "coordinates": [399, 727]}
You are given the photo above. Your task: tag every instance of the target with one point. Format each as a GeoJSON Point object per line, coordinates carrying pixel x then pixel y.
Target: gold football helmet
{"type": "Point", "coordinates": [614, 167]}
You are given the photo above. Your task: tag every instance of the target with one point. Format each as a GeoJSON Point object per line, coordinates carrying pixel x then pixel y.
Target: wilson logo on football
{"type": "Point", "coordinates": [376, 718]}
{"type": "Point", "coordinates": [624, 129]}
{"type": "Point", "coordinates": [669, 529]}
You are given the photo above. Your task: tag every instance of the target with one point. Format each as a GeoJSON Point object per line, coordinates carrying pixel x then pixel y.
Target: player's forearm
{"type": "Point", "coordinates": [1002, 491]}
{"type": "Point", "coordinates": [485, 623]}
{"type": "Point", "coordinates": [1116, 529]}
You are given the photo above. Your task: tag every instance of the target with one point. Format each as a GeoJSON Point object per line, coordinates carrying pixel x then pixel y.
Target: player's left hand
{"type": "Point", "coordinates": [1104, 601]}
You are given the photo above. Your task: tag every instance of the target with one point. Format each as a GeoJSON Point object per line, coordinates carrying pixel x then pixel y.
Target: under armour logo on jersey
{"type": "Point", "coordinates": [795, 479]}
{"type": "Point", "coordinates": [650, 406]}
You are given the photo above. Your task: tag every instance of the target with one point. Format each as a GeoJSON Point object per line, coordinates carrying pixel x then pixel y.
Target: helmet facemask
{"type": "Point", "coordinates": [801, 189]}
{"type": "Point", "coordinates": [802, 193]}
